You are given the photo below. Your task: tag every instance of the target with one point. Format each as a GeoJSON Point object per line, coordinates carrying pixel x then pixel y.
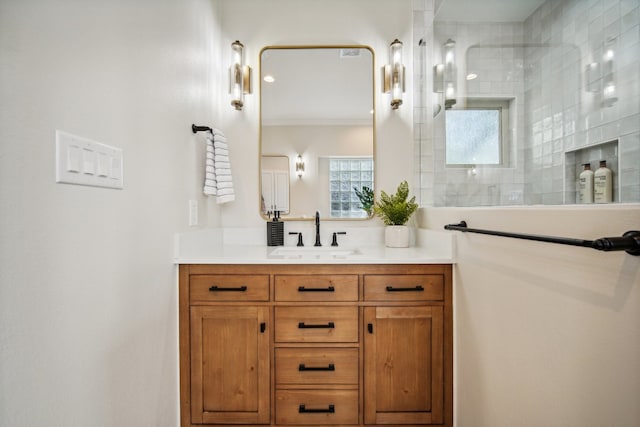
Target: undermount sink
{"type": "Point", "coordinates": [313, 252]}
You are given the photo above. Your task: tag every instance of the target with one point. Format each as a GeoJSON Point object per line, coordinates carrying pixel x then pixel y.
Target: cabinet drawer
{"type": "Point", "coordinates": [316, 366]}
{"type": "Point", "coordinates": [317, 407]}
{"type": "Point", "coordinates": [404, 287]}
{"type": "Point", "coordinates": [234, 287]}
{"type": "Point", "coordinates": [341, 287]}
{"type": "Point", "coordinates": [316, 324]}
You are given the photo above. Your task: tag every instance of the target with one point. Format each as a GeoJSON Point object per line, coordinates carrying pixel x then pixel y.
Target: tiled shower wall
{"type": "Point", "coordinates": [563, 117]}
{"type": "Point", "coordinates": [540, 64]}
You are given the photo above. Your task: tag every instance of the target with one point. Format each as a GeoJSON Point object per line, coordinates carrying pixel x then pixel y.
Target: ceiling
{"type": "Point", "coordinates": [485, 10]}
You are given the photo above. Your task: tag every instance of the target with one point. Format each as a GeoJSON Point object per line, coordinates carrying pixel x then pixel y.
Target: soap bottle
{"type": "Point", "coordinates": [275, 231]}
{"type": "Point", "coordinates": [585, 185]}
{"type": "Point", "coordinates": [603, 184]}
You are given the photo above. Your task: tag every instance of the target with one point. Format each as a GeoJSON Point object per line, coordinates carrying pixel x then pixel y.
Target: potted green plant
{"type": "Point", "coordinates": [395, 210]}
{"type": "Point", "coordinates": [366, 199]}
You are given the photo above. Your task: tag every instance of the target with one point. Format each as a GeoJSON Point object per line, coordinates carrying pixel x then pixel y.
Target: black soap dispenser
{"type": "Point", "coordinates": [275, 231]}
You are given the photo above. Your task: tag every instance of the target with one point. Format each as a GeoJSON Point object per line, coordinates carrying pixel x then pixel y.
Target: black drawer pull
{"type": "Point", "coordinates": [219, 289]}
{"type": "Point", "coordinates": [330, 410]}
{"type": "Point", "coordinates": [330, 325]}
{"type": "Point", "coordinates": [302, 367]}
{"type": "Point", "coordinates": [414, 289]}
{"type": "Point", "coordinates": [327, 289]}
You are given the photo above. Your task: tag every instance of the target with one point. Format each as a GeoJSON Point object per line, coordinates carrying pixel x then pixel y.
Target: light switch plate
{"type": "Point", "coordinates": [85, 162]}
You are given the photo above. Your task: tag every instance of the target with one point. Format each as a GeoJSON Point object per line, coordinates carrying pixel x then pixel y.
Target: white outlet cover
{"type": "Point", "coordinates": [82, 161]}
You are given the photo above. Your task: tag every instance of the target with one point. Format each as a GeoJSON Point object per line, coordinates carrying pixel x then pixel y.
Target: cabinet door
{"type": "Point", "coordinates": [281, 185]}
{"type": "Point", "coordinates": [229, 365]}
{"type": "Point", "coordinates": [403, 372]}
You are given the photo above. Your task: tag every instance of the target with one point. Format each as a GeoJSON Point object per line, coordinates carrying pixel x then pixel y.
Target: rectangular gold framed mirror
{"type": "Point", "coordinates": [317, 113]}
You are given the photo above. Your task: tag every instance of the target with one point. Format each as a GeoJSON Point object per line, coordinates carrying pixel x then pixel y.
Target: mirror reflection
{"type": "Point", "coordinates": [524, 102]}
{"type": "Point", "coordinates": [317, 117]}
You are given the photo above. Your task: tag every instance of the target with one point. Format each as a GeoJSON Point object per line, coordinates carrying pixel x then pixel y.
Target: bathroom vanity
{"type": "Point", "coordinates": [316, 342]}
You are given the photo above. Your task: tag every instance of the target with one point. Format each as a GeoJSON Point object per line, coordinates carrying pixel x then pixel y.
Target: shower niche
{"type": "Point", "coordinates": [593, 155]}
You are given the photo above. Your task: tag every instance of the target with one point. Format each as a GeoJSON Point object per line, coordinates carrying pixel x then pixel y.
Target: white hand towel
{"type": "Point", "coordinates": [218, 181]}
{"type": "Point", "coordinates": [210, 187]}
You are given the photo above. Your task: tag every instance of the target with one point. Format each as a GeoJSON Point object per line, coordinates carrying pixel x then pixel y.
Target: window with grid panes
{"type": "Point", "coordinates": [344, 175]}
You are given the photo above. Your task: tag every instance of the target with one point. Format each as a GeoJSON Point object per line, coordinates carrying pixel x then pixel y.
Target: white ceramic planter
{"type": "Point", "coordinates": [396, 236]}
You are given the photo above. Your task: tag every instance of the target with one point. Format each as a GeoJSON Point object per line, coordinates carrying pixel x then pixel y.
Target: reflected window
{"type": "Point", "coordinates": [346, 175]}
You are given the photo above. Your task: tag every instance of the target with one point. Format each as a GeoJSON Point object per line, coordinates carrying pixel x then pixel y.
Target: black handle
{"type": "Point", "coordinates": [219, 289]}
{"type": "Point", "coordinates": [629, 242]}
{"type": "Point", "coordinates": [370, 328]}
{"type": "Point", "coordinates": [330, 325]}
{"type": "Point", "coordinates": [327, 289]}
{"type": "Point", "coordinates": [418, 288]}
{"type": "Point", "coordinates": [303, 367]}
{"type": "Point", "coordinates": [330, 410]}
{"type": "Point", "coordinates": [263, 327]}
{"type": "Point", "coordinates": [300, 243]}
{"type": "Point", "coordinates": [334, 241]}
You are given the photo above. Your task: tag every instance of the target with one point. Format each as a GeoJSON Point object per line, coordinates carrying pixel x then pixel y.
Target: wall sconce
{"type": "Point", "coordinates": [299, 166]}
{"type": "Point", "coordinates": [239, 76]}
{"type": "Point", "coordinates": [445, 75]}
{"type": "Point", "coordinates": [393, 74]}
{"type": "Point", "coordinates": [600, 76]}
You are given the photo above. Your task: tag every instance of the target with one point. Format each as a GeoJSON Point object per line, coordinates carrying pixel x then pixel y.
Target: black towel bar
{"type": "Point", "coordinates": [196, 128]}
{"type": "Point", "coordinates": [629, 242]}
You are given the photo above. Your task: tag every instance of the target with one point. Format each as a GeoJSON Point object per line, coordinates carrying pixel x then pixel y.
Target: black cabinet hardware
{"type": "Point", "coordinates": [327, 289]}
{"type": "Point", "coordinates": [263, 327]}
{"type": "Point", "coordinates": [219, 289]}
{"type": "Point", "coordinates": [302, 325]}
{"type": "Point", "coordinates": [303, 367]}
{"type": "Point", "coordinates": [414, 289]}
{"type": "Point", "coordinates": [303, 410]}
{"type": "Point", "coordinates": [370, 328]}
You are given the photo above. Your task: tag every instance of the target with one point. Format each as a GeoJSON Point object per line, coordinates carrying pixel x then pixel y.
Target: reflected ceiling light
{"type": "Point", "coordinates": [472, 76]}
{"type": "Point", "coordinates": [269, 78]}
{"type": "Point", "coordinates": [393, 74]}
{"type": "Point", "coordinates": [239, 76]}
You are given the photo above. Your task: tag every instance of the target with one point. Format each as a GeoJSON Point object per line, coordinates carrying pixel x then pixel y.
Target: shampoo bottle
{"type": "Point", "coordinates": [585, 185]}
{"type": "Point", "coordinates": [603, 184]}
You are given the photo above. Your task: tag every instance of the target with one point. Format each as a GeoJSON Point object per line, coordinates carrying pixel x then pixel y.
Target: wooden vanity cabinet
{"type": "Point", "coordinates": [305, 345]}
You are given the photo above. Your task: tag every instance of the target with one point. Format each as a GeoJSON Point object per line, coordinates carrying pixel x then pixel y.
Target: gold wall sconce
{"type": "Point", "coordinates": [239, 76]}
{"type": "Point", "coordinates": [393, 74]}
{"type": "Point", "coordinates": [445, 75]}
{"type": "Point", "coordinates": [299, 166]}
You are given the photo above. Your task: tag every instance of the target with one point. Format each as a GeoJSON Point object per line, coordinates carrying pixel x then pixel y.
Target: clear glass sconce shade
{"type": "Point", "coordinates": [450, 74]}
{"type": "Point", "coordinates": [239, 76]}
{"type": "Point", "coordinates": [393, 74]}
{"type": "Point", "coordinates": [397, 73]}
{"type": "Point", "coordinates": [299, 166]}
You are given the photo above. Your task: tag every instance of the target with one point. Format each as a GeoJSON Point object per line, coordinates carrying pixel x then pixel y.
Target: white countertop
{"type": "Point", "coordinates": [214, 246]}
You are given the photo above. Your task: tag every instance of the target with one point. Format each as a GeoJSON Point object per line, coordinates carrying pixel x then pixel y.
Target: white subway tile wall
{"type": "Point", "coordinates": [563, 111]}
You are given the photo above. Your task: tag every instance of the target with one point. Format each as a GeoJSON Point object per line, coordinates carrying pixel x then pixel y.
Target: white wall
{"type": "Point", "coordinates": [88, 298]}
{"type": "Point", "coordinates": [315, 144]}
{"type": "Point", "coordinates": [545, 335]}
{"type": "Point", "coordinates": [259, 23]}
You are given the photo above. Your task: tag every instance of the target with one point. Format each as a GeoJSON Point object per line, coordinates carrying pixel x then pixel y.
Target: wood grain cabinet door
{"type": "Point", "coordinates": [403, 365]}
{"type": "Point", "coordinates": [230, 365]}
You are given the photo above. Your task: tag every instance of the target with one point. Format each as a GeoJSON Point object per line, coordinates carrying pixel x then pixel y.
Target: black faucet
{"type": "Point", "coordinates": [317, 230]}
